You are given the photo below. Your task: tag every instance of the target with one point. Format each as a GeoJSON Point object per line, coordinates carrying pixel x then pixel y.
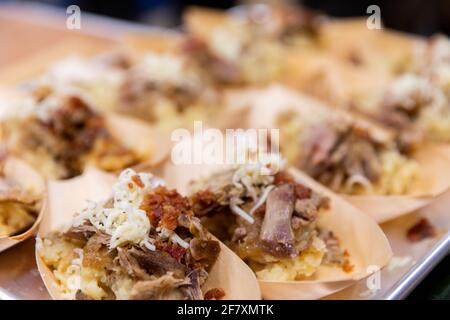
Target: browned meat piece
{"type": "Point", "coordinates": [203, 202]}
{"type": "Point", "coordinates": [81, 296]}
{"type": "Point", "coordinates": [82, 233]}
{"type": "Point", "coordinates": [131, 265]}
{"type": "Point", "coordinates": [95, 252]}
{"type": "Point", "coordinates": [335, 255]}
{"type": "Point", "coordinates": [283, 226]}
{"type": "Point", "coordinates": [205, 251]}
{"type": "Point", "coordinates": [214, 294]}
{"type": "Point", "coordinates": [239, 233]}
{"type": "Point", "coordinates": [294, 20]}
{"type": "Point", "coordinates": [332, 155]}
{"type": "Point", "coordinates": [166, 287]}
{"type": "Point", "coordinates": [193, 290]}
{"type": "Point", "coordinates": [423, 229]}
{"type": "Point", "coordinates": [276, 232]}
{"type": "Point", "coordinates": [308, 208]}
{"type": "Point", "coordinates": [138, 95]}
{"type": "Point", "coordinates": [321, 141]}
{"type": "Point", "coordinates": [118, 60]}
{"type": "Point", "coordinates": [158, 263]}
{"type": "Point", "coordinates": [71, 134]}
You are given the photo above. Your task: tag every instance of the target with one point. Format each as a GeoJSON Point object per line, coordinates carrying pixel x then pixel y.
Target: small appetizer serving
{"type": "Point", "coordinates": [168, 90]}
{"type": "Point", "coordinates": [347, 156]}
{"type": "Point", "coordinates": [350, 154]}
{"type": "Point", "coordinates": [22, 194]}
{"type": "Point", "coordinates": [301, 240]}
{"type": "Point", "coordinates": [269, 220]}
{"type": "Point", "coordinates": [60, 134]}
{"type": "Point", "coordinates": [143, 244]}
{"type": "Point", "coordinates": [417, 105]}
{"type": "Point", "coordinates": [247, 48]}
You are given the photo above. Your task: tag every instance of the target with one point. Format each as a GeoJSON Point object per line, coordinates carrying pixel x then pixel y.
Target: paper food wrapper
{"type": "Point", "coordinates": [18, 171]}
{"type": "Point", "coordinates": [351, 39]}
{"type": "Point", "coordinates": [433, 178]}
{"type": "Point", "coordinates": [326, 76]}
{"type": "Point", "coordinates": [69, 196]}
{"type": "Point", "coordinates": [148, 142]}
{"type": "Point", "coordinates": [357, 232]}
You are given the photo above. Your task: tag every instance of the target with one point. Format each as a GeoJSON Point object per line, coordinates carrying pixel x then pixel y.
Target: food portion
{"type": "Point", "coordinates": [344, 155]}
{"type": "Point", "coordinates": [269, 220]}
{"type": "Point", "coordinates": [20, 201]}
{"type": "Point", "coordinates": [247, 48]}
{"type": "Point", "coordinates": [144, 243]}
{"type": "Point", "coordinates": [98, 79]}
{"type": "Point", "coordinates": [59, 134]}
{"type": "Point", "coordinates": [19, 207]}
{"type": "Point", "coordinates": [167, 89]}
{"type": "Point", "coordinates": [417, 105]}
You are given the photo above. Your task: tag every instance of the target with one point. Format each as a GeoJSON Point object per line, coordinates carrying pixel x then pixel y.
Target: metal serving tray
{"type": "Point", "coordinates": [20, 279]}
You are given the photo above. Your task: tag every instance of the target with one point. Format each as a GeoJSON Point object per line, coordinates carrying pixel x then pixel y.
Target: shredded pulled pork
{"type": "Point", "coordinates": [341, 158]}
{"type": "Point", "coordinates": [281, 228]}
{"type": "Point", "coordinates": [19, 207]}
{"type": "Point", "coordinates": [68, 132]}
{"type": "Point", "coordinates": [163, 85]}
{"type": "Point", "coordinates": [421, 230]}
{"type": "Point", "coordinates": [248, 48]}
{"type": "Point", "coordinates": [174, 266]}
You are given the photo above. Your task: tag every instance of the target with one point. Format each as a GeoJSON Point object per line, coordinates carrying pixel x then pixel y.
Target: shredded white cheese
{"type": "Point", "coordinates": [125, 222]}
{"type": "Point", "coordinates": [169, 69]}
{"type": "Point", "coordinates": [256, 178]}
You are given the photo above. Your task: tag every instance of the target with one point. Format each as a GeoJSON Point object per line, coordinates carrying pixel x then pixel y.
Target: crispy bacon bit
{"type": "Point", "coordinates": [203, 201]}
{"type": "Point", "coordinates": [283, 177]}
{"type": "Point", "coordinates": [302, 192]}
{"type": "Point", "coordinates": [177, 252]}
{"type": "Point", "coordinates": [130, 185]}
{"type": "Point", "coordinates": [347, 266]}
{"type": "Point", "coordinates": [169, 219]}
{"type": "Point", "coordinates": [421, 230]}
{"type": "Point", "coordinates": [163, 207]}
{"type": "Point", "coordinates": [137, 180]}
{"type": "Point", "coordinates": [214, 294]}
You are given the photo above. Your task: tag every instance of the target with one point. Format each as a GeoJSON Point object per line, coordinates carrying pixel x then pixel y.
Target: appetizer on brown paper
{"type": "Point", "coordinates": [143, 243]}
{"type": "Point", "coordinates": [349, 154]}
{"type": "Point", "coordinates": [301, 240]}
{"type": "Point", "coordinates": [248, 47]}
{"type": "Point", "coordinates": [60, 133]}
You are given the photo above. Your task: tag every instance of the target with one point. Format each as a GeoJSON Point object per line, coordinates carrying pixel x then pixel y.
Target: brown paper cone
{"type": "Point", "coordinates": [348, 37]}
{"type": "Point", "coordinates": [201, 22]}
{"type": "Point", "coordinates": [161, 41]}
{"type": "Point", "coordinates": [69, 196]}
{"type": "Point", "coordinates": [20, 172]}
{"type": "Point", "coordinates": [433, 178]}
{"type": "Point", "coordinates": [150, 144]}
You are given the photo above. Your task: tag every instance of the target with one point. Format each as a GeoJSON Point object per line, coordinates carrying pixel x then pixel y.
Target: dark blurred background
{"type": "Point", "coordinates": [418, 16]}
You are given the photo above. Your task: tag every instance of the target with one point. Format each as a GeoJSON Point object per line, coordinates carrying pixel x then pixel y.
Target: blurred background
{"type": "Point", "coordinates": [418, 16]}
